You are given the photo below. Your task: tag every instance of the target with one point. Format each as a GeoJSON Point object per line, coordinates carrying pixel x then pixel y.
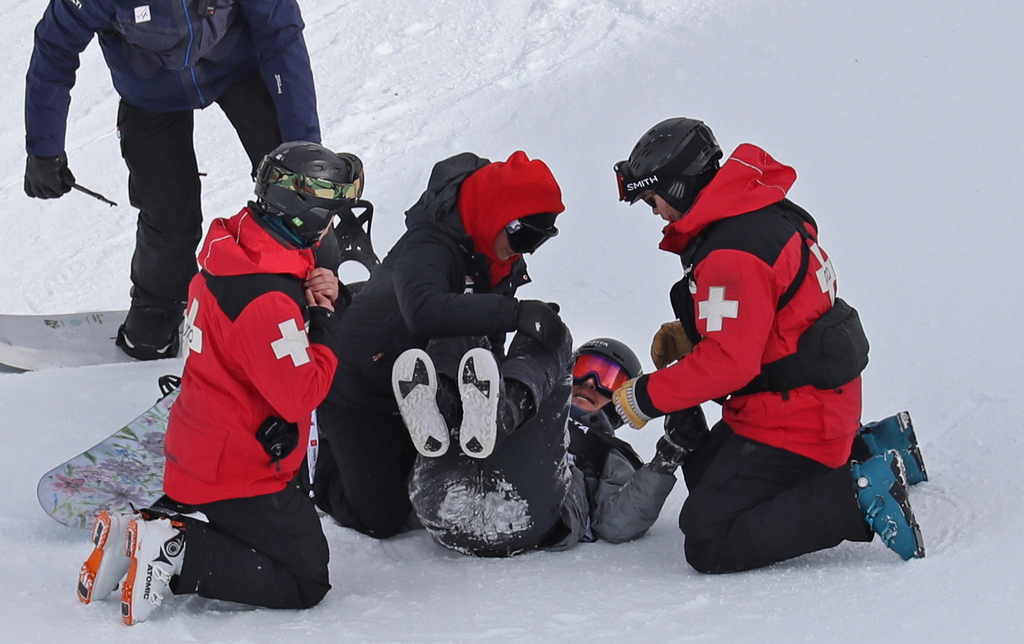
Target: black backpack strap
{"type": "Point", "coordinates": [798, 217]}
{"type": "Point", "coordinates": [679, 295]}
{"type": "Point", "coordinates": [805, 262]}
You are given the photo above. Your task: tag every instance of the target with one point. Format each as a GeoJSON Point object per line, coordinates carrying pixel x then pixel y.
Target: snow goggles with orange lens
{"type": "Point", "coordinates": [609, 375]}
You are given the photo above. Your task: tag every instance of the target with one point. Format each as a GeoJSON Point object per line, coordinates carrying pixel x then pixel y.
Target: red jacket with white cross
{"type": "Point", "coordinates": [248, 356]}
{"type": "Point", "coordinates": [749, 258]}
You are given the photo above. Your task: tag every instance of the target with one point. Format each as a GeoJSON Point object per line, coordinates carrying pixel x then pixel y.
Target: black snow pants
{"type": "Point", "coordinates": [164, 183]}
{"type": "Point", "coordinates": [267, 550]}
{"type": "Point", "coordinates": [366, 458]}
{"type": "Point", "coordinates": [363, 469]}
{"type": "Point", "coordinates": [512, 500]}
{"type": "Point", "coordinates": [751, 505]}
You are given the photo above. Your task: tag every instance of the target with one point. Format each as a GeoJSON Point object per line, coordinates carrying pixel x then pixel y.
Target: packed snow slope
{"type": "Point", "coordinates": [904, 122]}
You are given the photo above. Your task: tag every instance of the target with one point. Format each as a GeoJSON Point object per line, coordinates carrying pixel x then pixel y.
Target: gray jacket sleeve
{"type": "Point", "coordinates": [628, 501]}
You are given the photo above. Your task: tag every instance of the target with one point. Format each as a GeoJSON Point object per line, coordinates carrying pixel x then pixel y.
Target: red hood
{"type": "Point", "coordinates": [501, 192]}
{"type": "Point", "coordinates": [240, 246]}
{"type": "Point", "coordinates": [749, 180]}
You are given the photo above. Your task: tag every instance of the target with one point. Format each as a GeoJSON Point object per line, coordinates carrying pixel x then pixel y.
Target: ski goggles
{"type": "Point", "coordinates": [322, 188]}
{"type": "Point", "coordinates": [527, 234]}
{"type": "Point", "coordinates": [631, 189]}
{"type": "Point", "coordinates": [608, 374]}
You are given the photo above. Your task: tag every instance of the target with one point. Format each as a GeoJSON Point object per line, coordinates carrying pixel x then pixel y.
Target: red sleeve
{"type": "Point", "coordinates": [273, 348]}
{"type": "Point", "coordinates": [734, 306]}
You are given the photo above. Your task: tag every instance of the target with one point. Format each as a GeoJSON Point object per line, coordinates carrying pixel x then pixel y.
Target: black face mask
{"type": "Point", "coordinates": [527, 234]}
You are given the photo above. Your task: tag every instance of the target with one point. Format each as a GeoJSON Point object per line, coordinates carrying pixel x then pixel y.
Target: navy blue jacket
{"type": "Point", "coordinates": [164, 57]}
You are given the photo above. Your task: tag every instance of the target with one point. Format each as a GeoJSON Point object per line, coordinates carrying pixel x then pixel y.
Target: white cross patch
{"type": "Point", "coordinates": [826, 274]}
{"type": "Point", "coordinates": [192, 334]}
{"type": "Point", "coordinates": [716, 307]}
{"type": "Point", "coordinates": [293, 342]}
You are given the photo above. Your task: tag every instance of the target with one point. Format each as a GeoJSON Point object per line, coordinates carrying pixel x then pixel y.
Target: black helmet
{"type": "Point", "coordinates": [300, 187]}
{"type": "Point", "coordinates": [675, 158]}
{"type": "Point", "coordinates": [614, 351]}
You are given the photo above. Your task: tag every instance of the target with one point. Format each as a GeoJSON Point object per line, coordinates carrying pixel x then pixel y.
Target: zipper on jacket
{"type": "Point", "coordinates": [188, 53]}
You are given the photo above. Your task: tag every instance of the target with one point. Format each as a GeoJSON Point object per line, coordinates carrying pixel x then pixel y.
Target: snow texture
{"type": "Point", "coordinates": [485, 514]}
{"type": "Point", "coordinates": [904, 122]}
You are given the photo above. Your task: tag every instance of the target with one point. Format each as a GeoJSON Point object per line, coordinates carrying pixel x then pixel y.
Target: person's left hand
{"type": "Point", "coordinates": [318, 299]}
{"type": "Point", "coordinates": [686, 431]}
{"type": "Point", "coordinates": [670, 344]}
{"type": "Point", "coordinates": [322, 282]}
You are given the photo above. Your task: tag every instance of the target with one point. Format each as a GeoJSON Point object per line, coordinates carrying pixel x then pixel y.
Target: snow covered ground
{"type": "Point", "coordinates": [904, 122]}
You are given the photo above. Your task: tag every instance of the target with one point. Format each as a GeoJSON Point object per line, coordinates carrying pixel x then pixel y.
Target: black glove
{"type": "Point", "coordinates": [325, 326]}
{"type": "Point", "coordinates": [48, 177]}
{"type": "Point", "coordinates": [539, 321]}
{"type": "Point", "coordinates": [278, 437]}
{"type": "Point", "coordinates": [686, 431]}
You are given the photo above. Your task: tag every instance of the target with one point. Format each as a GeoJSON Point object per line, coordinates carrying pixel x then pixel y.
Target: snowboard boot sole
{"type": "Point", "coordinates": [480, 390]}
{"type": "Point", "coordinates": [414, 384]}
{"type": "Point", "coordinates": [107, 564]}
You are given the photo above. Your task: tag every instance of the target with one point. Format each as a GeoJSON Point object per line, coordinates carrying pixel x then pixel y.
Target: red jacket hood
{"type": "Point", "coordinates": [241, 246]}
{"type": "Point", "coordinates": [750, 179]}
{"type": "Point", "coordinates": [501, 192]}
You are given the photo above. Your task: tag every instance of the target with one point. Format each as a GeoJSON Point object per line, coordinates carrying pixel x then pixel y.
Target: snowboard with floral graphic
{"type": "Point", "coordinates": [123, 472]}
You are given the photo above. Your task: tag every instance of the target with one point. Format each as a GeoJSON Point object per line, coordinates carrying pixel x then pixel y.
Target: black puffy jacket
{"type": "Point", "coordinates": [432, 284]}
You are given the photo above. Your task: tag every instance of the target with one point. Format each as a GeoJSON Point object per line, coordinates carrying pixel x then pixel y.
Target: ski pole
{"type": "Point", "coordinates": [95, 195]}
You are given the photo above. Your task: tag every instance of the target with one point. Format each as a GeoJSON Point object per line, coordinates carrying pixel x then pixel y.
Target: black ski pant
{"type": "Point", "coordinates": [267, 550]}
{"type": "Point", "coordinates": [514, 499]}
{"type": "Point", "coordinates": [366, 457]}
{"type": "Point", "coordinates": [164, 183]}
{"type": "Point", "coordinates": [362, 470]}
{"type": "Point", "coordinates": [751, 505]}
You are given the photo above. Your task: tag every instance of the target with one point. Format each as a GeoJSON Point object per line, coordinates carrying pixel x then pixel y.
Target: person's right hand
{"type": "Point", "coordinates": [48, 177]}
{"type": "Point", "coordinates": [322, 281]}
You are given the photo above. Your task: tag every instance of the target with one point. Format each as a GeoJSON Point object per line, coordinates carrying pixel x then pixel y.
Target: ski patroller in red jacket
{"type": "Point", "coordinates": [736, 289]}
{"type": "Point", "coordinates": [248, 357]}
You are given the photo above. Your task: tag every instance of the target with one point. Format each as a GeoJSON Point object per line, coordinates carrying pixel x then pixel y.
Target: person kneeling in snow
{"type": "Point", "coordinates": [253, 376]}
{"type": "Point", "coordinates": [454, 273]}
{"type": "Point", "coordinates": [521, 479]}
{"type": "Point", "coordinates": [761, 329]}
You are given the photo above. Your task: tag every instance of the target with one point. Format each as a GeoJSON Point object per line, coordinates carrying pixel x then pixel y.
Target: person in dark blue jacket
{"type": "Point", "coordinates": [168, 58]}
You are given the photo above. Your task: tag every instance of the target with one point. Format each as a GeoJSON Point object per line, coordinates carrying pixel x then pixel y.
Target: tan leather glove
{"type": "Point", "coordinates": [670, 344]}
{"type": "Point", "coordinates": [626, 406]}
